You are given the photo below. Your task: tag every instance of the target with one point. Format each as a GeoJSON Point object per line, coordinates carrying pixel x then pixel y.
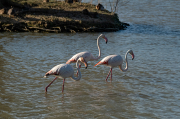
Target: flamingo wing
{"type": "Point", "coordinates": [66, 71]}
{"type": "Point", "coordinates": [54, 70]}
{"type": "Point", "coordinates": [111, 60]}
{"type": "Point", "coordinates": [104, 61]}
{"type": "Point", "coordinates": [86, 55]}
{"type": "Point", "coordinates": [70, 60]}
{"type": "Point", "coordinates": [115, 60]}
{"type": "Point", "coordinates": [61, 70]}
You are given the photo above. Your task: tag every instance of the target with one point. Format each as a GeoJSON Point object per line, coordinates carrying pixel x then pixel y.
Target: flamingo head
{"type": "Point", "coordinates": [105, 38]}
{"type": "Point", "coordinates": [81, 59]}
{"type": "Point", "coordinates": [132, 54]}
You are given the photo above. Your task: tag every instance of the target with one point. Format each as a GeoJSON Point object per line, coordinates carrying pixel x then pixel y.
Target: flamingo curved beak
{"type": "Point", "coordinates": [86, 64]}
{"type": "Point", "coordinates": [133, 56]}
{"type": "Point", "coordinates": [106, 39]}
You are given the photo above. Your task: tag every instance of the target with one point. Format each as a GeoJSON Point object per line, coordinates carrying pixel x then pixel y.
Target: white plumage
{"type": "Point", "coordinates": [87, 55]}
{"type": "Point", "coordinates": [114, 61]}
{"type": "Point", "coordinates": [64, 71]}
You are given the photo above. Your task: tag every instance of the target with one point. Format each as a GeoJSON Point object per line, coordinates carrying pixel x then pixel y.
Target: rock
{"type": "Point", "coordinates": [25, 8]}
{"type": "Point", "coordinates": [69, 1]}
{"type": "Point", "coordinates": [85, 12]}
{"type": "Point", "coordinates": [45, 1]}
{"type": "Point", "coordinates": [99, 7]}
{"type": "Point", "coordinates": [76, 0]}
{"type": "Point", "coordinates": [2, 11]}
{"type": "Point", "coordinates": [95, 15]}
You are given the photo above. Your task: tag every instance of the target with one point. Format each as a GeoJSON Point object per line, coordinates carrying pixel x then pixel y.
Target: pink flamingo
{"type": "Point", "coordinates": [65, 71]}
{"type": "Point", "coordinates": [114, 61]}
{"type": "Point", "coordinates": [87, 55]}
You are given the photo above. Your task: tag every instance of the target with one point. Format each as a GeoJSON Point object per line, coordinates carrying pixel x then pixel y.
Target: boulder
{"type": "Point", "coordinates": [85, 12]}
{"type": "Point", "coordinates": [99, 7]}
{"type": "Point", "coordinates": [69, 1]}
{"type": "Point", "coordinates": [45, 1]}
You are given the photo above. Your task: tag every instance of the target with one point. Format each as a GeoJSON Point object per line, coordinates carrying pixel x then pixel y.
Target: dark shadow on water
{"type": "Point", "coordinates": [151, 30]}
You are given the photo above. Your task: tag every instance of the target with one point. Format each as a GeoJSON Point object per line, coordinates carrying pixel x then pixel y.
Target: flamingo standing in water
{"type": "Point", "coordinates": [65, 71]}
{"type": "Point", "coordinates": [114, 61]}
{"type": "Point", "coordinates": [87, 55]}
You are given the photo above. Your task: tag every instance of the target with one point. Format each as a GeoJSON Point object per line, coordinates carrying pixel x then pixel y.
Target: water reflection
{"type": "Point", "coordinates": [151, 30]}
{"type": "Point", "coordinates": [4, 93]}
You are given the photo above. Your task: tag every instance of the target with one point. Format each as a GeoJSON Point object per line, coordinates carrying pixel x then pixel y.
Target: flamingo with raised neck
{"type": "Point", "coordinates": [87, 55]}
{"type": "Point", "coordinates": [114, 61]}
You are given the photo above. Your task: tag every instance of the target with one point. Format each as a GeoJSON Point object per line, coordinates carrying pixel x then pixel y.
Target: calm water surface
{"type": "Point", "coordinates": [149, 89]}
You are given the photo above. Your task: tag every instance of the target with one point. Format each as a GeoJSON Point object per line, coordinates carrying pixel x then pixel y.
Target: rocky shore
{"type": "Point", "coordinates": [59, 17]}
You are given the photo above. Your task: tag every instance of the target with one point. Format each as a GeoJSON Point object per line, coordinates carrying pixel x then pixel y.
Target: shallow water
{"type": "Point", "coordinates": [149, 89]}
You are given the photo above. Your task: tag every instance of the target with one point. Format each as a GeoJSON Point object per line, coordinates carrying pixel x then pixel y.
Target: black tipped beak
{"type": "Point", "coordinates": [106, 40]}
{"type": "Point", "coordinates": [86, 66]}
{"type": "Point", "coordinates": [133, 56]}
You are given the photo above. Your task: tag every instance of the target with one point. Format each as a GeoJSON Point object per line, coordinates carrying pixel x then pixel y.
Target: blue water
{"type": "Point", "coordinates": [149, 89]}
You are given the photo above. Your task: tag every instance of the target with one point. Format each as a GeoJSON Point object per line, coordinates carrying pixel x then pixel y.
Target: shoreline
{"type": "Point", "coordinates": [54, 17]}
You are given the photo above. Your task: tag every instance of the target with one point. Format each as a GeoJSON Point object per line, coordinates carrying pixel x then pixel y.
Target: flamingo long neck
{"type": "Point", "coordinates": [79, 72]}
{"type": "Point", "coordinates": [121, 68]}
{"type": "Point", "coordinates": [96, 58]}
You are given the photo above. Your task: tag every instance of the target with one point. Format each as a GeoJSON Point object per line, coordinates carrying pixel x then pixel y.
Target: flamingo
{"type": "Point", "coordinates": [65, 71]}
{"type": "Point", "coordinates": [114, 61]}
{"type": "Point", "coordinates": [87, 55]}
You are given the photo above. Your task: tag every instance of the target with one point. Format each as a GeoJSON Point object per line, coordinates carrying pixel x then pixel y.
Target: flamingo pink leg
{"type": "Point", "coordinates": [77, 71]}
{"type": "Point", "coordinates": [110, 71]}
{"type": "Point", "coordinates": [111, 74]}
{"type": "Point", "coordinates": [50, 84]}
{"type": "Point", "coordinates": [63, 85]}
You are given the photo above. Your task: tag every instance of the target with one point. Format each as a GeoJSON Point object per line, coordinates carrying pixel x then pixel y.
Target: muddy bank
{"type": "Point", "coordinates": [59, 26]}
{"type": "Point", "coordinates": [79, 17]}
